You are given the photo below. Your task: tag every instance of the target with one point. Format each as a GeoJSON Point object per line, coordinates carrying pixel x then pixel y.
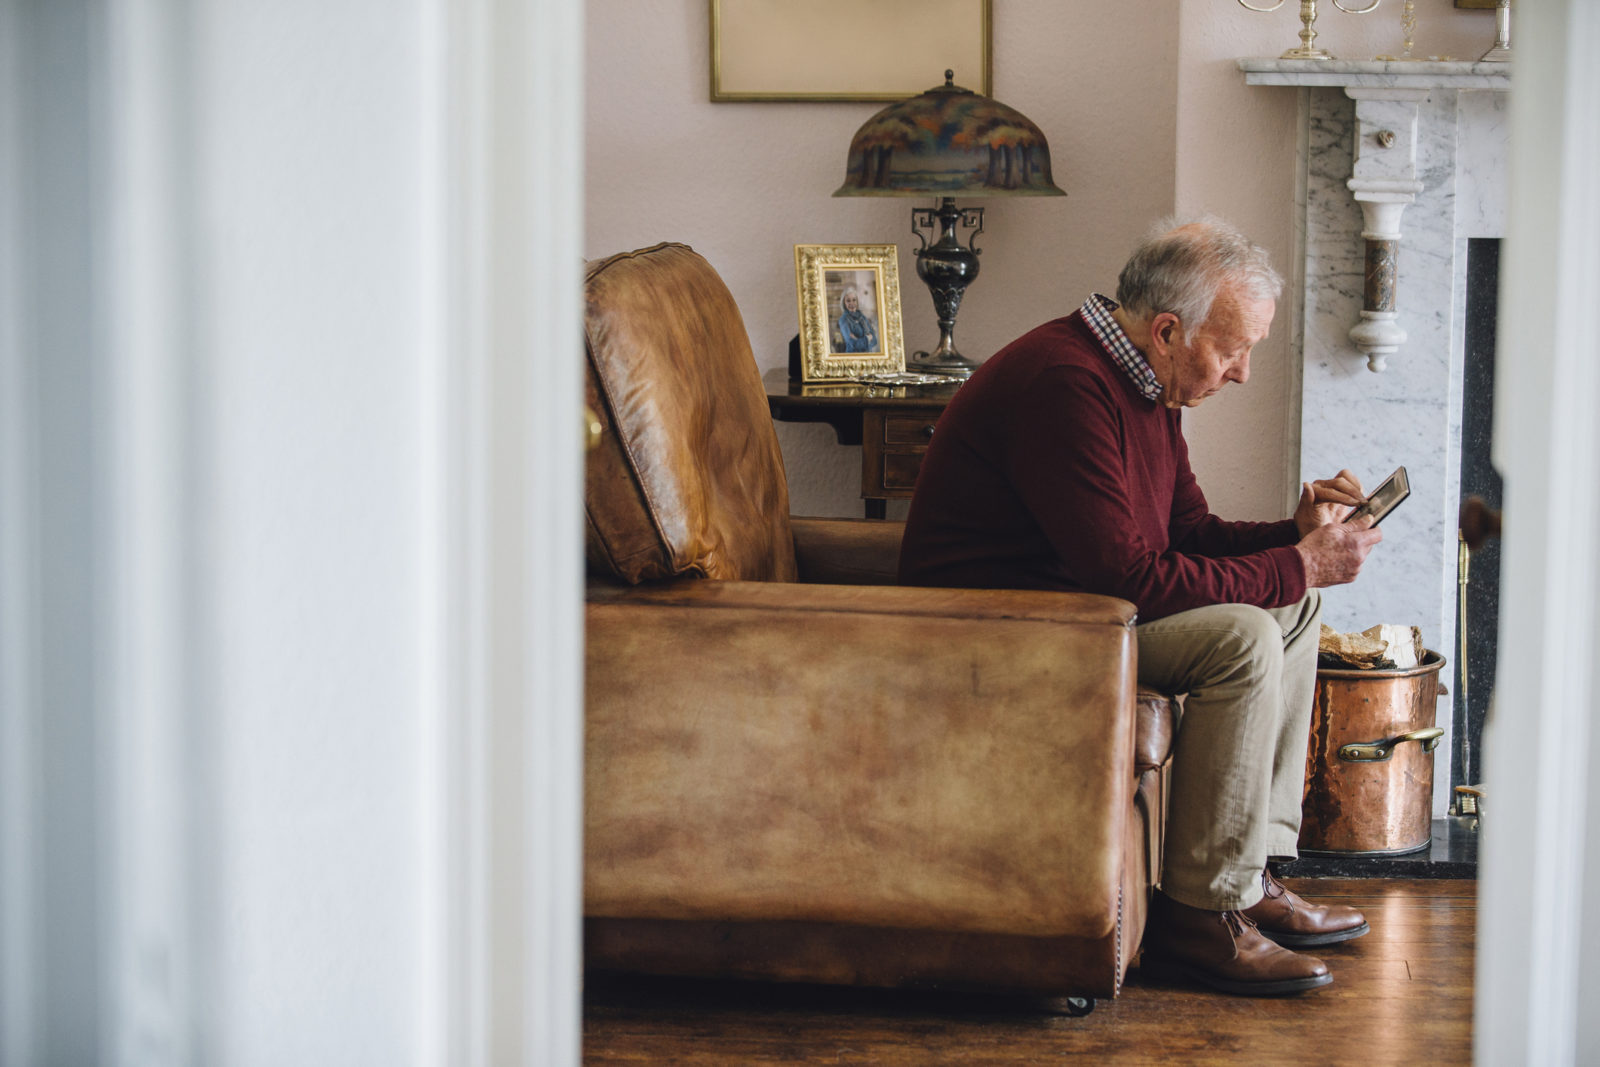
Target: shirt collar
{"type": "Point", "coordinates": [1096, 313]}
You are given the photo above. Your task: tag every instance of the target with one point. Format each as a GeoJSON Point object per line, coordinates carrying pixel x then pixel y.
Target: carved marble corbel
{"type": "Point", "coordinates": [1384, 182]}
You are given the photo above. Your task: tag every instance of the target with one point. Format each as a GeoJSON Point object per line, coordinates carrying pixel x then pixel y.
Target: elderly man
{"type": "Point", "coordinates": [1061, 464]}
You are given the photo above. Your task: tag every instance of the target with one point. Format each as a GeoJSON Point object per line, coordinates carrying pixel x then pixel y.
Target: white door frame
{"type": "Point", "coordinates": [18, 554]}
{"type": "Point", "coordinates": [501, 801]}
{"type": "Point", "coordinates": [510, 547]}
{"type": "Point", "coordinates": [1540, 749]}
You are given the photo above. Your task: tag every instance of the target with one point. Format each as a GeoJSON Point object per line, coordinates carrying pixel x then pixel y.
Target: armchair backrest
{"type": "Point", "coordinates": [687, 478]}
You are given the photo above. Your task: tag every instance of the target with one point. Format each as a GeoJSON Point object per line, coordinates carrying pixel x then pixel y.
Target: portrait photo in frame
{"type": "Point", "coordinates": [849, 298]}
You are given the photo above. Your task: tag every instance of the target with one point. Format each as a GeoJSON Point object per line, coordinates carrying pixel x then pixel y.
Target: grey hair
{"type": "Point", "coordinates": [1183, 265]}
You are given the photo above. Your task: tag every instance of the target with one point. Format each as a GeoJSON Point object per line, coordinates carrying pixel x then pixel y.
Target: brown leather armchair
{"type": "Point", "coordinates": [797, 770]}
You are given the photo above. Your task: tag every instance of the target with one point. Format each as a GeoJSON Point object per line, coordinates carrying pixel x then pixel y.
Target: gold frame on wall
{"type": "Point", "coordinates": [847, 50]}
{"type": "Point", "coordinates": [821, 269]}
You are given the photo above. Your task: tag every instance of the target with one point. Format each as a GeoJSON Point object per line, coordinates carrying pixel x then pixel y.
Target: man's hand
{"type": "Point", "coordinates": [1334, 552]}
{"type": "Point", "coordinates": [1327, 500]}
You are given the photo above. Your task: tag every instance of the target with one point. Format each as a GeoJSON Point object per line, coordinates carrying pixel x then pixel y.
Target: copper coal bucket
{"type": "Point", "coordinates": [1369, 767]}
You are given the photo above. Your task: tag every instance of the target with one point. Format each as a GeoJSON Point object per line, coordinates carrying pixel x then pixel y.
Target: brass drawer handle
{"type": "Point", "coordinates": [1378, 751]}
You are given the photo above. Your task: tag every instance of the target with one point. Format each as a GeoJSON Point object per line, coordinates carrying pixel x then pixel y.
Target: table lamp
{"type": "Point", "coordinates": [948, 142]}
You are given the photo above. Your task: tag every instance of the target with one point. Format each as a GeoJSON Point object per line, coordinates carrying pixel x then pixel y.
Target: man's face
{"type": "Point", "coordinates": [1218, 352]}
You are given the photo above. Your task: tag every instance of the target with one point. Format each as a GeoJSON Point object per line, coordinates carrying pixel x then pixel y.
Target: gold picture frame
{"type": "Point", "coordinates": [849, 300]}
{"type": "Point", "coordinates": [766, 50]}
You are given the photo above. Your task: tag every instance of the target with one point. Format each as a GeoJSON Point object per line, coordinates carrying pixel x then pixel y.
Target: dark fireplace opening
{"type": "Point", "coordinates": [1475, 669]}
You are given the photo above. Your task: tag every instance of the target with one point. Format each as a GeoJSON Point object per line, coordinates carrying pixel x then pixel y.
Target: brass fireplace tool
{"type": "Point", "coordinates": [1478, 523]}
{"type": "Point", "coordinates": [1308, 33]}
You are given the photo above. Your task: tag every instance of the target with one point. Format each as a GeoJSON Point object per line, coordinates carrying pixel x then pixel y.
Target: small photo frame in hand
{"type": "Point", "coordinates": [1385, 498]}
{"type": "Point", "coordinates": [849, 297]}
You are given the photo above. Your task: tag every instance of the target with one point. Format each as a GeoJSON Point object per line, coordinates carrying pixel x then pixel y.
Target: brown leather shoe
{"type": "Point", "coordinates": [1290, 920]}
{"type": "Point", "coordinates": [1224, 950]}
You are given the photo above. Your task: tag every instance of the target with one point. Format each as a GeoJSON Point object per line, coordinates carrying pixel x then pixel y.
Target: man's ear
{"type": "Point", "coordinates": [1165, 331]}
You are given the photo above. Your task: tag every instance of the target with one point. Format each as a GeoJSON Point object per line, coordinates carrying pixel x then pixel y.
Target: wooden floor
{"type": "Point", "coordinates": [1401, 994]}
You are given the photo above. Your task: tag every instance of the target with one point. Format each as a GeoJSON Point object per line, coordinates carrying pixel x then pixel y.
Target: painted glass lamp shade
{"type": "Point", "coordinates": [948, 142]}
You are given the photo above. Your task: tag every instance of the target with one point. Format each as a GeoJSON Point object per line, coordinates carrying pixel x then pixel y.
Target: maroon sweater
{"type": "Point", "coordinates": [1048, 470]}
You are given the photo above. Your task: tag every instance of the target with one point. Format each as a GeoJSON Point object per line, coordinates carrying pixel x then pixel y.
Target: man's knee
{"type": "Point", "coordinates": [1250, 642]}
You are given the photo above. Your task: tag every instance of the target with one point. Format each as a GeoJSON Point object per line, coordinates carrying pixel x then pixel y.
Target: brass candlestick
{"type": "Point", "coordinates": [1501, 52]}
{"type": "Point", "coordinates": [1308, 33]}
{"type": "Point", "coordinates": [1408, 29]}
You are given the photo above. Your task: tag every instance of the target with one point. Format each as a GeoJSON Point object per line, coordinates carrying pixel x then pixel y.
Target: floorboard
{"type": "Point", "coordinates": [1401, 994]}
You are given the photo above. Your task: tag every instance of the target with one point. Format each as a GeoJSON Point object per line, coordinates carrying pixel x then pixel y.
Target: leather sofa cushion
{"type": "Point", "coordinates": [687, 479]}
{"type": "Point", "coordinates": [847, 551]}
{"type": "Point", "coordinates": [1156, 717]}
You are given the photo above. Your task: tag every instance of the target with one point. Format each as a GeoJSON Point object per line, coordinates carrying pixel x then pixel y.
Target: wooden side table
{"type": "Point", "coordinates": [891, 423]}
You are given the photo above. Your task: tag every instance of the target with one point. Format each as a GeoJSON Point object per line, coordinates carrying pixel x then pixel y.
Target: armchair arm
{"type": "Point", "coordinates": [900, 757]}
{"type": "Point", "coordinates": [847, 551]}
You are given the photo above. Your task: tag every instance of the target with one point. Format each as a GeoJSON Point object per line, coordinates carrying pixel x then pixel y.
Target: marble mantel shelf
{"type": "Point", "coordinates": [1377, 74]}
{"type": "Point", "coordinates": [1385, 178]}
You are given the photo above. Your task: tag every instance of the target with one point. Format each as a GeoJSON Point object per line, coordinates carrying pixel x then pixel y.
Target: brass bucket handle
{"type": "Point", "coordinates": [1378, 751]}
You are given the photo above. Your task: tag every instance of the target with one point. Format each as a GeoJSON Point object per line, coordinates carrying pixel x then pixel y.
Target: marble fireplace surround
{"type": "Point", "coordinates": [1413, 153]}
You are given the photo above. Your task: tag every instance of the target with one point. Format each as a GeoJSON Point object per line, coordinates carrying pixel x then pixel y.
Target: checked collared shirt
{"type": "Point", "coordinates": [1096, 313]}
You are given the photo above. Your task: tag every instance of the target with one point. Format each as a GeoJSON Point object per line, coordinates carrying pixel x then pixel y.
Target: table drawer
{"type": "Point", "coordinates": [892, 427]}
{"type": "Point", "coordinates": [909, 429]}
{"type": "Point", "coordinates": [900, 470]}
{"type": "Point", "coordinates": [893, 443]}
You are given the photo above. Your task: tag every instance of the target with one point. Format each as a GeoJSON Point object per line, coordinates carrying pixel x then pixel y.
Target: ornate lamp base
{"type": "Point", "coordinates": [948, 269]}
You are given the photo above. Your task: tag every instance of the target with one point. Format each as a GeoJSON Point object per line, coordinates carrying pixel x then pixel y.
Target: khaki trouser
{"type": "Point", "coordinates": [1239, 761]}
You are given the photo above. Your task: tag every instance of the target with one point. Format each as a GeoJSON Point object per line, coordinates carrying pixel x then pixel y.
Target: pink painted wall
{"type": "Point", "coordinates": [1145, 111]}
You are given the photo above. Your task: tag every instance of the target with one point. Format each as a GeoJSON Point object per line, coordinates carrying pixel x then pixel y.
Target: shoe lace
{"type": "Point", "coordinates": [1236, 921]}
